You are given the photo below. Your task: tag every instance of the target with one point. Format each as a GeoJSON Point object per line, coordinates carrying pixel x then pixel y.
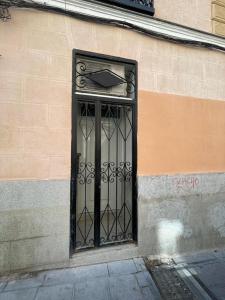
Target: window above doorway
{"type": "Point", "coordinates": [104, 76]}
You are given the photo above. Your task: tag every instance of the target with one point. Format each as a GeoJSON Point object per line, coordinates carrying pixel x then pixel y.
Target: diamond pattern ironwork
{"type": "Point", "coordinates": [106, 78]}
{"type": "Point", "coordinates": [97, 77]}
{"type": "Point", "coordinates": [128, 131]}
{"type": "Point", "coordinates": [85, 117]}
{"type": "Point", "coordinates": [110, 224]}
{"type": "Point", "coordinates": [107, 126]}
{"type": "Point", "coordinates": [88, 223]}
{"type": "Point", "coordinates": [124, 227]}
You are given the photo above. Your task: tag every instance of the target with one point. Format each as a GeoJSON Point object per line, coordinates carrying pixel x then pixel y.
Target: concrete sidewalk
{"type": "Point", "coordinates": [202, 273]}
{"type": "Point", "coordinates": [120, 280]}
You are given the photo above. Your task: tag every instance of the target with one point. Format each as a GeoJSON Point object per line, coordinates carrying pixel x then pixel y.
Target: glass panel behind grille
{"type": "Point", "coordinates": [86, 175]}
{"type": "Point", "coordinates": [116, 173]}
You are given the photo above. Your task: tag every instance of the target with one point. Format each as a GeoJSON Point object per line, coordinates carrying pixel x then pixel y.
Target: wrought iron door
{"type": "Point", "coordinates": [105, 180]}
{"type": "Point", "coordinates": [103, 185]}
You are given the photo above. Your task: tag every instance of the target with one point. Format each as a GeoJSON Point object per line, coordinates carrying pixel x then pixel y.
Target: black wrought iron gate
{"type": "Point", "coordinates": [103, 185]}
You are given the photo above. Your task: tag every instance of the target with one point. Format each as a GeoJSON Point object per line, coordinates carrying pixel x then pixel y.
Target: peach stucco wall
{"type": "Point", "coordinates": [192, 13]}
{"type": "Point", "coordinates": [178, 134]}
{"type": "Point", "coordinates": [35, 99]}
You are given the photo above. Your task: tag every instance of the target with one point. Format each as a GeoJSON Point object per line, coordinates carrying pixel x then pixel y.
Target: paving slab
{"type": "Point", "coordinates": [97, 289]}
{"type": "Point", "coordinates": [140, 264]}
{"type": "Point", "coordinates": [89, 272]}
{"type": "Point", "coordinates": [145, 280]}
{"type": "Point", "coordinates": [35, 281]}
{"type": "Point", "coordinates": [56, 277]}
{"type": "Point", "coordinates": [122, 267]}
{"type": "Point", "coordinates": [2, 286]}
{"type": "Point", "coordinates": [25, 294]}
{"type": "Point", "coordinates": [72, 275]}
{"type": "Point", "coordinates": [56, 292]}
{"type": "Point", "coordinates": [125, 287]}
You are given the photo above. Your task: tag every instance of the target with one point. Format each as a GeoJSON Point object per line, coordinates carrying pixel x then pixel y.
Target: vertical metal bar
{"type": "Point", "coordinates": [74, 167]}
{"type": "Point", "coordinates": [134, 160]}
{"type": "Point", "coordinates": [108, 173]}
{"type": "Point", "coordinates": [85, 174]}
{"type": "Point", "coordinates": [124, 171]}
{"type": "Point", "coordinates": [116, 122]}
{"type": "Point", "coordinates": [97, 200]}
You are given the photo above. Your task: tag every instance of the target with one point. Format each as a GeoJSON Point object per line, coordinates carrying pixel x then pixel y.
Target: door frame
{"type": "Point", "coordinates": [74, 168]}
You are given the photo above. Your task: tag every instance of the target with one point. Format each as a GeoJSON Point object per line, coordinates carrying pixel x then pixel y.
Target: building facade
{"type": "Point", "coordinates": [138, 155]}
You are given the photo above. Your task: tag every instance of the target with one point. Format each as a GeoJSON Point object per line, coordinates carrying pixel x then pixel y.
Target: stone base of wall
{"type": "Point", "coordinates": [34, 223]}
{"type": "Point", "coordinates": [181, 213]}
{"type": "Point", "coordinates": [176, 214]}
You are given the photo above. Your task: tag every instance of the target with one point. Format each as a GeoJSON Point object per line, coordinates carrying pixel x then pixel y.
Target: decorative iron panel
{"type": "Point", "coordinates": [85, 175]}
{"type": "Point", "coordinates": [106, 78]}
{"type": "Point", "coordinates": [116, 173]}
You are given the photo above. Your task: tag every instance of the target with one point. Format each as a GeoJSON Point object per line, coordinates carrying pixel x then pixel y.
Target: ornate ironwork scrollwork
{"type": "Point", "coordinates": [120, 237]}
{"type": "Point", "coordinates": [86, 173]}
{"type": "Point", "coordinates": [125, 171]}
{"type": "Point", "coordinates": [130, 79]}
{"type": "Point", "coordinates": [85, 78]}
{"type": "Point", "coordinates": [4, 14]}
{"type": "Point", "coordinates": [80, 76]}
{"type": "Point", "coordinates": [86, 244]}
{"type": "Point", "coordinates": [108, 172]}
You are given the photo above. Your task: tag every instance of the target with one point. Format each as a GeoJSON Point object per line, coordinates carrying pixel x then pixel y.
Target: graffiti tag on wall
{"type": "Point", "coordinates": [186, 183]}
